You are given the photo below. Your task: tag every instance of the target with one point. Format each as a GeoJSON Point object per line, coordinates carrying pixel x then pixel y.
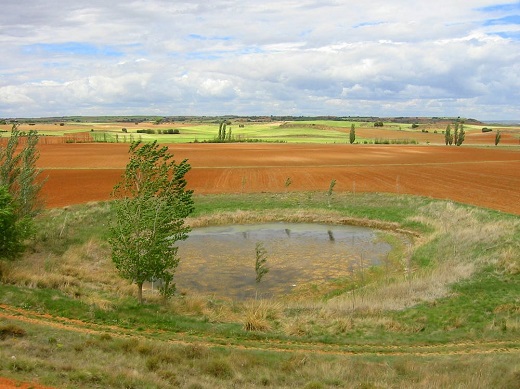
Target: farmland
{"type": "Point", "coordinates": [313, 154]}
{"type": "Point", "coordinates": [442, 311]}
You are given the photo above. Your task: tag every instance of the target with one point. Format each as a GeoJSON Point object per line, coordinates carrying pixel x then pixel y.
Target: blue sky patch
{"type": "Point", "coordinates": [513, 19]}
{"type": "Point", "coordinates": [508, 35]}
{"type": "Point", "coordinates": [72, 48]}
{"type": "Point", "coordinates": [501, 7]}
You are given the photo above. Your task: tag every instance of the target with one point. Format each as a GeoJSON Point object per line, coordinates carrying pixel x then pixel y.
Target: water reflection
{"type": "Point", "coordinates": [220, 260]}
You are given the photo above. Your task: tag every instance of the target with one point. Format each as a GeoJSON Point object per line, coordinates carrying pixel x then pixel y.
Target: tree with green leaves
{"type": "Point", "coordinates": [456, 134]}
{"type": "Point", "coordinates": [498, 136]}
{"type": "Point", "coordinates": [352, 135]}
{"type": "Point", "coordinates": [11, 242]}
{"type": "Point", "coordinates": [461, 135]}
{"type": "Point", "coordinates": [151, 205]}
{"type": "Point", "coordinates": [448, 137]}
{"type": "Point", "coordinates": [20, 183]}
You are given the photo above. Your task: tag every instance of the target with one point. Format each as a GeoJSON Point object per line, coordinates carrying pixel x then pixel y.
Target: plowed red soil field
{"type": "Point", "coordinates": [487, 177]}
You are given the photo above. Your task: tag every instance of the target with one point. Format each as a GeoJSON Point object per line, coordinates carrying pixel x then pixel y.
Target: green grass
{"type": "Point", "coordinates": [432, 316]}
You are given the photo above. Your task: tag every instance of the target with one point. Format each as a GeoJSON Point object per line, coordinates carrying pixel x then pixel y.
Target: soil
{"type": "Point", "coordinates": [11, 384]}
{"type": "Point", "coordinates": [486, 177]}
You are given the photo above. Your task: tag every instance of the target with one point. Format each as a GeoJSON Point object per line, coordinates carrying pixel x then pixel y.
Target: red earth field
{"type": "Point", "coordinates": [487, 177]}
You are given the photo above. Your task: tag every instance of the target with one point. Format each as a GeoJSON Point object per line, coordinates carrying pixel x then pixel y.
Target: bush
{"type": "Point", "coordinates": [485, 129]}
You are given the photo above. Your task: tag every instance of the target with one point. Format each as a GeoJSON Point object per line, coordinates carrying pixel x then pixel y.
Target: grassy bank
{"type": "Point", "coordinates": [443, 311]}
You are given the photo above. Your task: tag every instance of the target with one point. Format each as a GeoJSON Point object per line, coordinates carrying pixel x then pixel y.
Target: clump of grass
{"type": "Point", "coordinates": [11, 330]}
{"type": "Point", "coordinates": [509, 260]}
{"type": "Point", "coordinates": [258, 314]}
{"type": "Point", "coordinates": [218, 367]}
{"type": "Point", "coordinates": [194, 351]}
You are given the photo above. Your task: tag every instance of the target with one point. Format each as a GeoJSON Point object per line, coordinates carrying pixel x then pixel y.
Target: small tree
{"type": "Point", "coordinates": [222, 131]}
{"type": "Point", "coordinates": [287, 183]}
{"type": "Point", "coordinates": [448, 137]}
{"type": "Point", "coordinates": [461, 136]}
{"type": "Point", "coordinates": [152, 203]}
{"type": "Point", "coordinates": [352, 137]}
{"type": "Point", "coordinates": [456, 134]}
{"type": "Point", "coordinates": [331, 189]}
{"type": "Point", "coordinates": [498, 136]}
{"type": "Point", "coordinates": [20, 181]}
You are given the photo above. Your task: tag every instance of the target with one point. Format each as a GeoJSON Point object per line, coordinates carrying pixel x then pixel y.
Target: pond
{"type": "Point", "coordinates": [221, 260]}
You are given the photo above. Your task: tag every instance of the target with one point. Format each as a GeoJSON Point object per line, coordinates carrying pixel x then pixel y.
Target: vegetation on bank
{"type": "Point", "coordinates": [437, 312]}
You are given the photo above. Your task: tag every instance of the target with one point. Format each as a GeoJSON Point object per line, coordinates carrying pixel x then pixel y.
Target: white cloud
{"type": "Point", "coordinates": [398, 57]}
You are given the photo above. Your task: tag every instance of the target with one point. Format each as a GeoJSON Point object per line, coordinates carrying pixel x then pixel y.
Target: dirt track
{"type": "Point", "coordinates": [488, 177]}
{"type": "Point", "coordinates": [454, 348]}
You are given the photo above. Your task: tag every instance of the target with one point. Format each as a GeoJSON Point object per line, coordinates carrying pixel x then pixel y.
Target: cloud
{"type": "Point", "coordinates": [399, 58]}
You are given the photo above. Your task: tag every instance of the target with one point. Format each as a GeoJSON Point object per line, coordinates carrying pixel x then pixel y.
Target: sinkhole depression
{"type": "Point", "coordinates": [220, 260]}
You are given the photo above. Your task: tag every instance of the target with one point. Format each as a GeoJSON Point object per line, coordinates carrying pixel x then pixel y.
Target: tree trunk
{"type": "Point", "coordinates": [140, 292]}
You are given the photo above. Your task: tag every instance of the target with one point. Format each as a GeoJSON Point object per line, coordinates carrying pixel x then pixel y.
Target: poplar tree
{"type": "Point", "coordinates": [498, 136]}
{"type": "Point", "coordinates": [448, 138]}
{"type": "Point", "coordinates": [151, 204]}
{"type": "Point", "coordinates": [20, 185]}
{"type": "Point", "coordinates": [461, 136]}
{"type": "Point", "coordinates": [352, 138]}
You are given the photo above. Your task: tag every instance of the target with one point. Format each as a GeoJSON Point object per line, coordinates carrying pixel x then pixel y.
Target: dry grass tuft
{"type": "Point", "coordinates": [297, 326]}
{"type": "Point", "coordinates": [11, 330]}
{"type": "Point", "coordinates": [509, 260]}
{"type": "Point", "coordinates": [83, 271]}
{"type": "Point", "coordinates": [399, 294]}
{"type": "Point", "coordinates": [259, 313]}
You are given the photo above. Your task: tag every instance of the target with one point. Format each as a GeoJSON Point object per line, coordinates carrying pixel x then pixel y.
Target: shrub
{"type": "Point", "coordinates": [485, 129]}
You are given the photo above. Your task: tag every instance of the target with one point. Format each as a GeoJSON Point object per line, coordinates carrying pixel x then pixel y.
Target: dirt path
{"type": "Point", "coordinates": [6, 383]}
{"type": "Point", "coordinates": [453, 348]}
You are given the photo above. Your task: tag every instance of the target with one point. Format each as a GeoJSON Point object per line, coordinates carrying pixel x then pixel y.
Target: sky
{"type": "Point", "coordinates": [260, 57]}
